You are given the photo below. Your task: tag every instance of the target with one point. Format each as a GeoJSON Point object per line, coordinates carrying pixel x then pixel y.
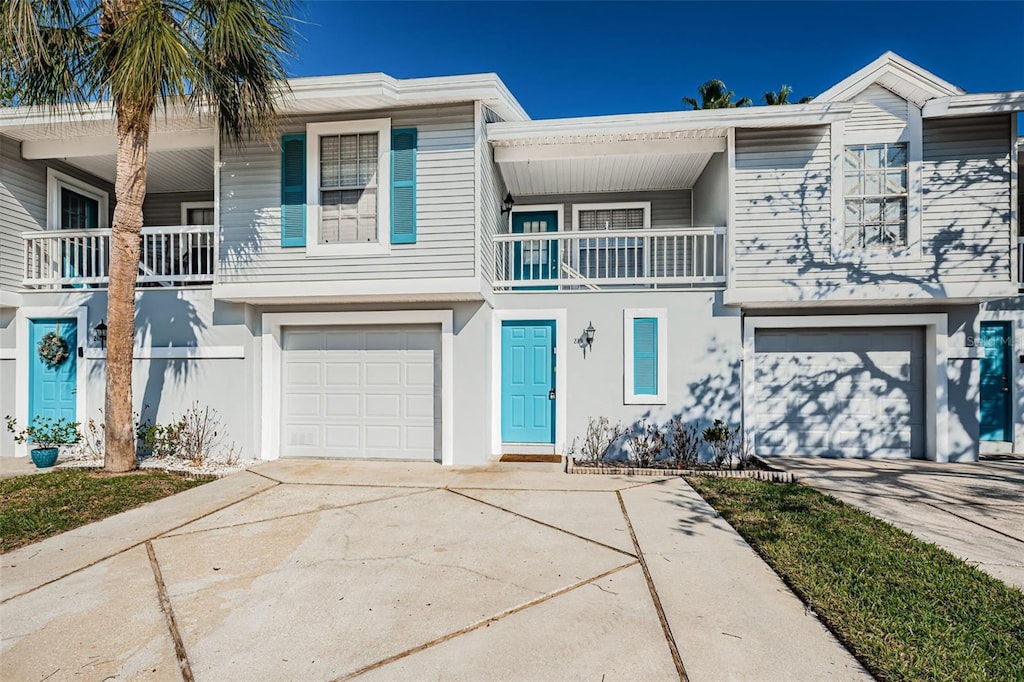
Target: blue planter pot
{"type": "Point", "coordinates": [45, 457]}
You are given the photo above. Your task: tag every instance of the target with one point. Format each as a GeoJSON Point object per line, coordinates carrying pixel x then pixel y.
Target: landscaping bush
{"type": "Point", "coordinates": [600, 436]}
{"type": "Point", "coordinates": [683, 445]}
{"type": "Point", "coordinates": [646, 443]}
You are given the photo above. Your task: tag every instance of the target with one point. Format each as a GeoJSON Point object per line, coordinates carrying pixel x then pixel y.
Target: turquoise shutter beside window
{"type": "Point", "coordinates": [293, 190]}
{"type": "Point", "coordinates": [403, 186]}
{"type": "Point", "coordinates": [645, 356]}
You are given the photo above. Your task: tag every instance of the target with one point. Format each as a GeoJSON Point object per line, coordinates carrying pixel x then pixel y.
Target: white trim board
{"type": "Point", "coordinates": [175, 353]}
{"type": "Point", "coordinates": [315, 291]}
{"type": "Point", "coordinates": [560, 317]}
{"type": "Point", "coordinates": [540, 208]}
{"type": "Point", "coordinates": [273, 324]}
{"type": "Point", "coordinates": [936, 381]}
{"type": "Point", "coordinates": [81, 314]}
{"type": "Point", "coordinates": [55, 180]}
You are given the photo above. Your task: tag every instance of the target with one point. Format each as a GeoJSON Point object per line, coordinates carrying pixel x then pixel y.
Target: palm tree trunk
{"type": "Point", "coordinates": [130, 191]}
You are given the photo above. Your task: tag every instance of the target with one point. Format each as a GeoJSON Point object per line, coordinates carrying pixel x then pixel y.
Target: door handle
{"type": "Point", "coordinates": [1006, 389]}
{"type": "Point", "coordinates": [551, 394]}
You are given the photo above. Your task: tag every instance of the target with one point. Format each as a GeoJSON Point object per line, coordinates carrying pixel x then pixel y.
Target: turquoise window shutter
{"type": "Point", "coordinates": [403, 186]}
{"type": "Point", "coordinates": [645, 356]}
{"type": "Point", "coordinates": [293, 190]}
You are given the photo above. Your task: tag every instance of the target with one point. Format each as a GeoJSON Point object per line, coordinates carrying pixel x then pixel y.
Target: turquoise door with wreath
{"type": "Point", "coordinates": [52, 387]}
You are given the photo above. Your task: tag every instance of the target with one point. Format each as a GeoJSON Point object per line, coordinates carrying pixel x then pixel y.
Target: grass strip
{"type": "Point", "coordinates": [907, 609]}
{"type": "Point", "coordinates": [38, 506]}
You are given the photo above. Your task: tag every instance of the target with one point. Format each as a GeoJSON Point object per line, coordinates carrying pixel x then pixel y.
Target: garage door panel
{"type": "Point", "coordinates": [840, 393]}
{"type": "Point", "coordinates": [384, 406]}
{"type": "Point", "coordinates": [362, 392]}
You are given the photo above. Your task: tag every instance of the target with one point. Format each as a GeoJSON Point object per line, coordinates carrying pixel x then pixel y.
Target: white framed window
{"type": "Point", "coordinates": [348, 175]}
{"type": "Point", "coordinates": [72, 204]}
{"type": "Point", "coordinates": [645, 361]}
{"type": "Point", "coordinates": [197, 213]}
{"type": "Point", "coordinates": [618, 257]}
{"type": "Point", "coordinates": [875, 192]}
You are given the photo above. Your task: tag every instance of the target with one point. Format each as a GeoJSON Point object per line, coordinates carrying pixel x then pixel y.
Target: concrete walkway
{"type": "Point", "coordinates": [11, 467]}
{"type": "Point", "coordinates": [974, 510]}
{"type": "Point", "coordinates": [320, 570]}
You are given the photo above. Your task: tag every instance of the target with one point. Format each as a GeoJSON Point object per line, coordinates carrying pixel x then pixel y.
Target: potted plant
{"type": "Point", "coordinates": [46, 435]}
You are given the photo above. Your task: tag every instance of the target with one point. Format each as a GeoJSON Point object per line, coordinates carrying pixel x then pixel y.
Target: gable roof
{"type": "Point", "coordinates": [894, 73]}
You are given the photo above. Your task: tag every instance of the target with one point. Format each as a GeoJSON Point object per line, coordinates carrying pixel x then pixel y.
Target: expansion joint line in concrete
{"type": "Point", "coordinates": [541, 523]}
{"type": "Point", "coordinates": [976, 523]}
{"type": "Point", "coordinates": [483, 623]}
{"type": "Point", "coordinates": [172, 623]}
{"type": "Point", "coordinates": [133, 545]}
{"type": "Point", "coordinates": [665, 627]}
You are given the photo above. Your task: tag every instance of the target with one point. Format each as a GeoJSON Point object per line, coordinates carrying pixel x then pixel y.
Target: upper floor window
{"type": "Point", "coordinates": [348, 171]}
{"type": "Point", "coordinates": [611, 257]}
{"type": "Point", "coordinates": [875, 177]}
{"type": "Point", "coordinates": [348, 188]}
{"type": "Point", "coordinates": [73, 204]}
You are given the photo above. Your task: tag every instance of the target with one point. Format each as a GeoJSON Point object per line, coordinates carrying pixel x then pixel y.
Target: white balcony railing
{"type": "Point", "coordinates": [181, 255]}
{"type": "Point", "coordinates": [610, 258]}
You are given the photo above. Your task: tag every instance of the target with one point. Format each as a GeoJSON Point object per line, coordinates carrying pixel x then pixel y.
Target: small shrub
{"type": "Point", "coordinates": [683, 445]}
{"type": "Point", "coordinates": [192, 437]}
{"type": "Point", "coordinates": [727, 446]}
{"type": "Point", "coordinates": [600, 436]}
{"type": "Point", "coordinates": [646, 443]}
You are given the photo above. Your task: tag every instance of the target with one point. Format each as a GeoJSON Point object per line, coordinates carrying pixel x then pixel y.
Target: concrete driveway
{"type": "Point", "coordinates": [319, 570]}
{"type": "Point", "coordinates": [975, 510]}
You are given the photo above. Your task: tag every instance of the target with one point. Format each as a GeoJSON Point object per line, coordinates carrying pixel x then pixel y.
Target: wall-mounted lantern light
{"type": "Point", "coordinates": [508, 203]}
{"type": "Point", "coordinates": [586, 340]}
{"type": "Point", "coordinates": [101, 333]}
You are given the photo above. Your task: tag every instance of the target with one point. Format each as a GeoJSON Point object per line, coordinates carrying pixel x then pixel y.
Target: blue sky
{"type": "Point", "coordinates": [585, 58]}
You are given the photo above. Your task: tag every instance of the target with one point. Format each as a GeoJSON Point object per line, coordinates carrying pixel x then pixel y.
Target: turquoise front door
{"type": "Point", "coordinates": [51, 390]}
{"type": "Point", "coordinates": [537, 259]}
{"type": "Point", "coordinates": [997, 340]}
{"type": "Point", "coordinates": [528, 382]}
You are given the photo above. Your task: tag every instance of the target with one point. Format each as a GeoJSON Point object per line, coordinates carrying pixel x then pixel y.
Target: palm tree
{"type": "Point", "coordinates": [773, 98]}
{"type": "Point", "coordinates": [714, 95]}
{"type": "Point", "coordinates": [224, 55]}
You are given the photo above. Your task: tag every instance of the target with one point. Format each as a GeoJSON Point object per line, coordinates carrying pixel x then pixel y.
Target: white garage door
{"type": "Point", "coordinates": [840, 392]}
{"type": "Point", "coordinates": [370, 392]}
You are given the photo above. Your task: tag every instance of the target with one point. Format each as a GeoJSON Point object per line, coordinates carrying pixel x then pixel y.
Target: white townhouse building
{"type": "Point", "coordinates": [421, 271]}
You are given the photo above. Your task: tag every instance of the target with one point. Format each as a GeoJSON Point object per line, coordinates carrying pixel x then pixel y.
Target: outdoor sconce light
{"type": "Point", "coordinates": [101, 333]}
{"type": "Point", "coordinates": [586, 340]}
{"type": "Point", "coordinates": [507, 203]}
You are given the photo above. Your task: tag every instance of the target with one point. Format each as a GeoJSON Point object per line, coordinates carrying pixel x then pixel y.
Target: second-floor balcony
{"type": "Point", "coordinates": [181, 255]}
{"type": "Point", "coordinates": [592, 260]}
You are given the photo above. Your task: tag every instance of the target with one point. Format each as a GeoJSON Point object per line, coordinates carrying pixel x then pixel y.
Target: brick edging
{"type": "Point", "coordinates": [757, 474]}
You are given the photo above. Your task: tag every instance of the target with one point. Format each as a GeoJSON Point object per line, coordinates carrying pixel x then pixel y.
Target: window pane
{"type": "Point", "coordinates": [872, 210]}
{"type": "Point", "coordinates": [897, 155]}
{"type": "Point", "coordinates": [854, 183]}
{"type": "Point", "coordinates": [854, 159]}
{"type": "Point", "coordinates": [873, 156]}
{"type": "Point", "coordinates": [896, 182]}
{"type": "Point", "coordinates": [853, 236]}
{"type": "Point", "coordinates": [873, 183]}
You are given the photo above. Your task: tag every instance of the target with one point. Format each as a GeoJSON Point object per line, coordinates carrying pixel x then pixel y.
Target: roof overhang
{"type": "Point", "coordinates": [893, 72]}
{"type": "Point", "coordinates": [364, 92]}
{"type": "Point", "coordinates": [630, 153]}
{"type": "Point", "coordinates": [975, 105]}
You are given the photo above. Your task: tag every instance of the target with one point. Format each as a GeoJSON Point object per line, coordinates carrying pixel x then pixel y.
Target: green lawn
{"type": "Point", "coordinates": [906, 609]}
{"type": "Point", "coordinates": [38, 506]}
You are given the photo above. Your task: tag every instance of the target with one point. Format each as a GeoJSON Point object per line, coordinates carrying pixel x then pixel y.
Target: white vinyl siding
{"type": "Point", "coordinates": [492, 191]}
{"type": "Point", "coordinates": [23, 205]}
{"type": "Point", "coordinates": [877, 111]}
{"type": "Point", "coordinates": [783, 210]}
{"type": "Point", "coordinates": [165, 208]}
{"type": "Point", "coordinates": [445, 217]}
